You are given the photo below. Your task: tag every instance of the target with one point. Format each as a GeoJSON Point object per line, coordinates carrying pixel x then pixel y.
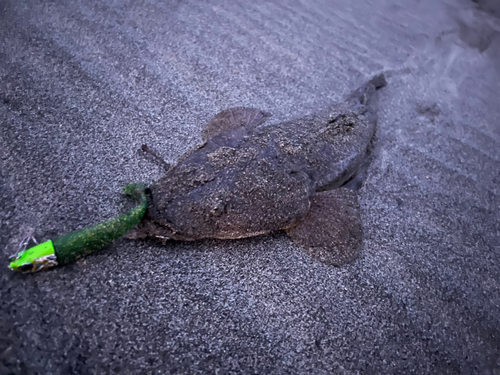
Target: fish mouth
{"type": "Point", "coordinates": [148, 227]}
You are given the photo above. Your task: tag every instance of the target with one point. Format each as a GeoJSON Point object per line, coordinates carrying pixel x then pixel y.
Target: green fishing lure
{"type": "Point", "coordinates": [78, 244]}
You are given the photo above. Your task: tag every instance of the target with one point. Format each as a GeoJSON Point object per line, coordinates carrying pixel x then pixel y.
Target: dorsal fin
{"type": "Point", "coordinates": [234, 118]}
{"type": "Point", "coordinates": [332, 231]}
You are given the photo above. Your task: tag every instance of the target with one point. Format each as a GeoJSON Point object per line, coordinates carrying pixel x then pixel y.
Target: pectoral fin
{"type": "Point", "coordinates": [332, 231]}
{"type": "Point", "coordinates": [233, 118]}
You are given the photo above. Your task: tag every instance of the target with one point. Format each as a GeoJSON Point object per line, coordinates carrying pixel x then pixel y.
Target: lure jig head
{"type": "Point", "coordinates": [37, 258]}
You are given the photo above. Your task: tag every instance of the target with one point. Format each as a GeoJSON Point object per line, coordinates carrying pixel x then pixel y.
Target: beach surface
{"type": "Point", "coordinates": [84, 84]}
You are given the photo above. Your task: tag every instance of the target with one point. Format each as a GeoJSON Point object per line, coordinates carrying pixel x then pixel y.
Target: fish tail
{"type": "Point", "coordinates": [378, 81]}
{"type": "Point", "coordinates": [364, 95]}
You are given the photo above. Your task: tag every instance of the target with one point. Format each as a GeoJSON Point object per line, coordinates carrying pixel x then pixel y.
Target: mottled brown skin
{"type": "Point", "coordinates": [248, 179]}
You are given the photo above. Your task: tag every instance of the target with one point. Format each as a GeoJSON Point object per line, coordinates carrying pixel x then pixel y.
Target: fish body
{"type": "Point", "coordinates": [249, 179]}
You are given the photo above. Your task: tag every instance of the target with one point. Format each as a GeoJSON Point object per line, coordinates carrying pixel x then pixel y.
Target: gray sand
{"type": "Point", "coordinates": [82, 86]}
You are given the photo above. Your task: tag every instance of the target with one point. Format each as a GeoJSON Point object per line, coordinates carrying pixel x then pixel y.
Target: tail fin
{"type": "Point", "coordinates": [364, 95]}
{"type": "Point", "coordinates": [378, 81]}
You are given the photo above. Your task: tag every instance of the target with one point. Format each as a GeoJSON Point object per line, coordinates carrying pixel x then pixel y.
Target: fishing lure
{"type": "Point", "coordinates": [74, 245]}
